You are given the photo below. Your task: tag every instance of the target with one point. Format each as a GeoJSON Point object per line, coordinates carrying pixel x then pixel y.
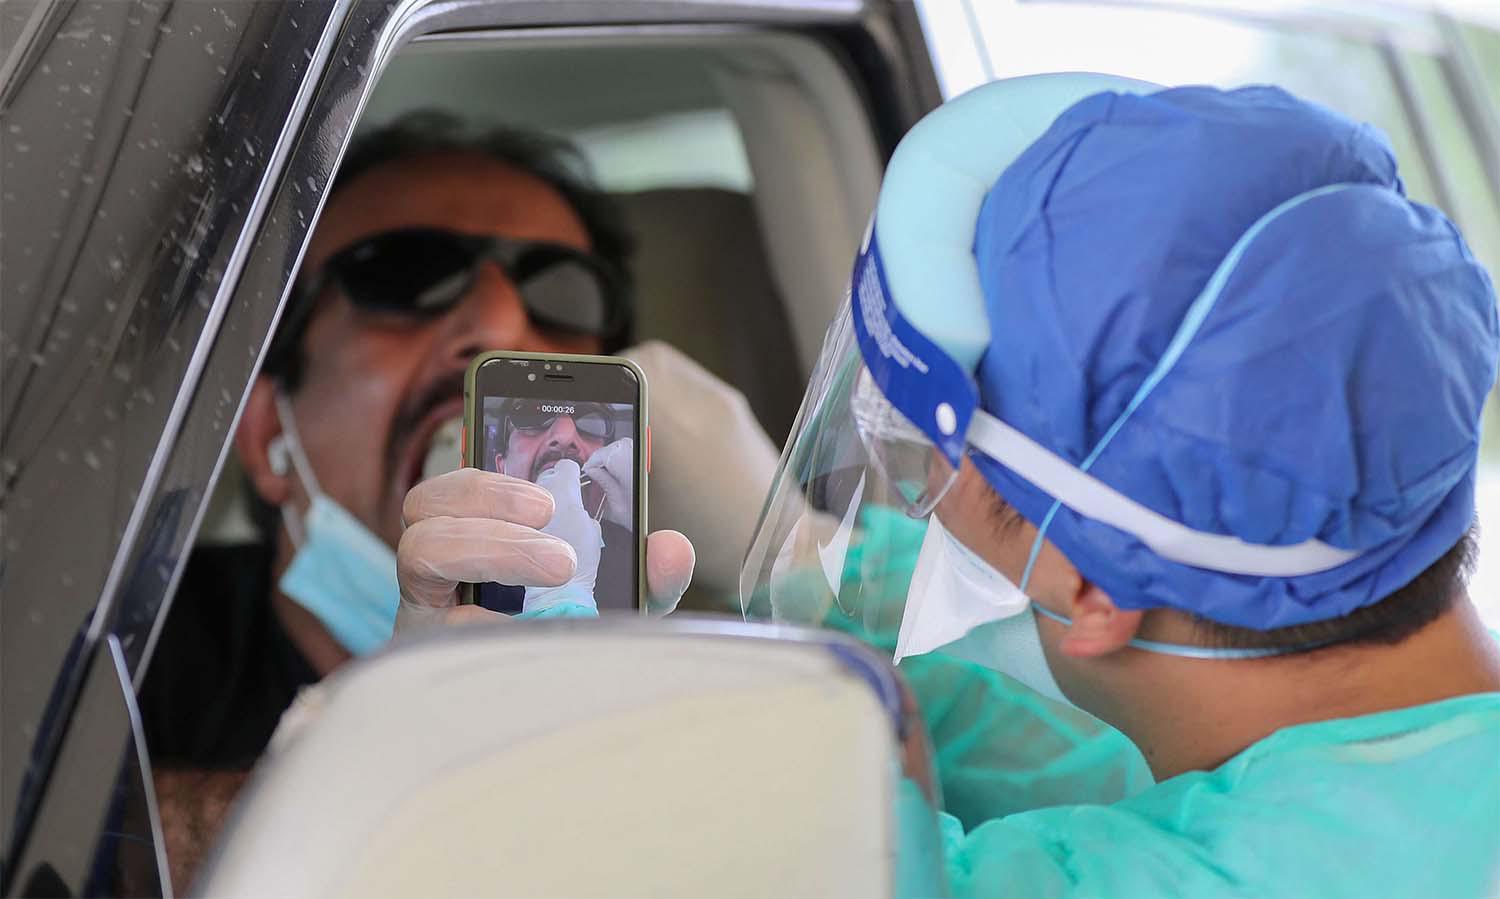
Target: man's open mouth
{"type": "Point", "coordinates": [436, 437]}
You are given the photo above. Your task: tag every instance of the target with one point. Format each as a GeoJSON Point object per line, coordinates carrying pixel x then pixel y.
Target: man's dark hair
{"type": "Point", "coordinates": [1386, 623]}
{"type": "Point", "coordinates": [553, 160]}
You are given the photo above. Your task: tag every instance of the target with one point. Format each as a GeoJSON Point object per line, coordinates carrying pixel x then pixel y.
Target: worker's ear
{"type": "Point", "coordinates": [1099, 626]}
{"type": "Point", "coordinates": [261, 448]}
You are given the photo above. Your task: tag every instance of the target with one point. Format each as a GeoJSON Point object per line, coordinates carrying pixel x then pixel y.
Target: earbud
{"type": "Point", "coordinates": [279, 456]}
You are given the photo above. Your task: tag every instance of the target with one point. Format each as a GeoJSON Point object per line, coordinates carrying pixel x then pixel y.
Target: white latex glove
{"type": "Point", "coordinates": [570, 522]}
{"type": "Point", "coordinates": [712, 464]}
{"type": "Point", "coordinates": [613, 469]}
{"type": "Point", "coordinates": [473, 527]}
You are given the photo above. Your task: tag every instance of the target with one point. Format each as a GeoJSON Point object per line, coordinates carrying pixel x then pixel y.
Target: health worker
{"type": "Point", "coordinates": [1185, 393]}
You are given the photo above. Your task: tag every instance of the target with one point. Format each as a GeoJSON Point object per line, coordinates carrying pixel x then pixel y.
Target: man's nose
{"type": "Point", "coordinates": [491, 316]}
{"type": "Point", "coordinates": [563, 432]}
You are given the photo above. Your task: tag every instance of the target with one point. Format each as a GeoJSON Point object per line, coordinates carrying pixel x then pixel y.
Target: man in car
{"type": "Point", "coordinates": [407, 276]}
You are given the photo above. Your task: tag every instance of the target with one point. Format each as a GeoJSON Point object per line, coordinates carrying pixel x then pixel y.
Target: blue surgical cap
{"type": "Point", "coordinates": [1331, 388]}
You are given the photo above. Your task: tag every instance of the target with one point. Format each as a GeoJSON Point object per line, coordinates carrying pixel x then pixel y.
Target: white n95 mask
{"type": "Point", "coordinates": [341, 571]}
{"type": "Point", "coordinates": [959, 604]}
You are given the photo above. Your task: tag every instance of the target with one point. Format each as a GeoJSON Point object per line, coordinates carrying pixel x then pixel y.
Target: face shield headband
{"type": "Point", "coordinates": [882, 435]}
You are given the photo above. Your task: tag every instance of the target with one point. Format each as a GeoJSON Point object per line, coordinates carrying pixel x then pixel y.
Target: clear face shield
{"type": "Point", "coordinates": [844, 524]}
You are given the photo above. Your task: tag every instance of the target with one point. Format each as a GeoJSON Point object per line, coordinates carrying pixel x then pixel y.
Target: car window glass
{"type": "Point", "coordinates": [701, 148]}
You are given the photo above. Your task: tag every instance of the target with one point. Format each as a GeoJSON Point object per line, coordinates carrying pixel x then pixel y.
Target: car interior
{"type": "Point", "coordinates": [741, 159]}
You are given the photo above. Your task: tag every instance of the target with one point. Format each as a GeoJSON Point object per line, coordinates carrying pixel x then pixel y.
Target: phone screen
{"type": "Point", "coordinates": [574, 428]}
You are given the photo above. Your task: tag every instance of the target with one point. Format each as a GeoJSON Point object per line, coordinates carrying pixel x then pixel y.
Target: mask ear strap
{"type": "Point", "coordinates": [290, 444]}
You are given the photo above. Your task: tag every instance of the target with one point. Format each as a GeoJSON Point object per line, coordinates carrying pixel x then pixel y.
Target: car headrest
{"type": "Point", "coordinates": [618, 757]}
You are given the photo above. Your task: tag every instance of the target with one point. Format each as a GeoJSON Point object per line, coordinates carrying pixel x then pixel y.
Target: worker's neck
{"type": "Point", "coordinates": [1196, 714]}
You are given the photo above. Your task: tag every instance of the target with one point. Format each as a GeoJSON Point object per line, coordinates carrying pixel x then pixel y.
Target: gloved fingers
{"type": "Point", "coordinates": [471, 493]}
{"type": "Point", "coordinates": [435, 555]}
{"type": "Point", "coordinates": [562, 481]}
{"type": "Point", "coordinates": [669, 570]}
{"type": "Point", "coordinates": [613, 468]}
{"type": "Point", "coordinates": [613, 463]}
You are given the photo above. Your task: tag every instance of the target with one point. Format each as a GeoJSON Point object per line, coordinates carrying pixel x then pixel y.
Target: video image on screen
{"type": "Point", "coordinates": [583, 453]}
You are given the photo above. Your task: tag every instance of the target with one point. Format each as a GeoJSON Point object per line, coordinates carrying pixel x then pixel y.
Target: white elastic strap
{"type": "Point", "coordinates": [293, 443]}
{"type": "Point", "coordinates": [1176, 542]}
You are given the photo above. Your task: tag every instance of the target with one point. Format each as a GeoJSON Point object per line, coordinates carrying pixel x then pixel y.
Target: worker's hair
{"type": "Point", "coordinates": [553, 160]}
{"type": "Point", "coordinates": [1387, 622]}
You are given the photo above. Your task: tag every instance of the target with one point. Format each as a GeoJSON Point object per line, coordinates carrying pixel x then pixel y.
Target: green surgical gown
{"type": "Point", "coordinates": [1400, 803]}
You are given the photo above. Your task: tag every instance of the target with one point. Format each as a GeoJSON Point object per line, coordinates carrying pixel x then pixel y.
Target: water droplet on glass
{"type": "Point", "coordinates": [22, 148]}
{"type": "Point", "coordinates": [14, 128]}
{"type": "Point", "coordinates": [35, 616]}
{"type": "Point", "coordinates": [121, 372]}
{"type": "Point", "coordinates": [38, 360]}
{"type": "Point", "coordinates": [91, 460]}
{"type": "Point", "coordinates": [195, 164]}
{"type": "Point", "coordinates": [64, 456]}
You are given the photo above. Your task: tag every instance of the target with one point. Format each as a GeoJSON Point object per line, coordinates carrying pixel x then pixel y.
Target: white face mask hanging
{"type": "Point", "coordinates": [959, 603]}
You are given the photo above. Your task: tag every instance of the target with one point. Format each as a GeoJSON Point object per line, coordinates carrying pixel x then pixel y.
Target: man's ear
{"type": "Point", "coordinates": [260, 426]}
{"type": "Point", "coordinates": [1099, 626]}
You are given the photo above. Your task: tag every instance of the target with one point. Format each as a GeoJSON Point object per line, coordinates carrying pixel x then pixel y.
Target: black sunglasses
{"type": "Point", "coordinates": [424, 272]}
{"type": "Point", "coordinates": [589, 419]}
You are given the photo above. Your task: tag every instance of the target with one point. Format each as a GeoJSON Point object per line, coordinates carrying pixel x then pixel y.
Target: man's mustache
{"type": "Point", "coordinates": [551, 456]}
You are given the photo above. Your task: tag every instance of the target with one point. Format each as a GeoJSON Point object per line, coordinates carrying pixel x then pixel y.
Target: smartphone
{"type": "Point", "coordinates": [527, 415]}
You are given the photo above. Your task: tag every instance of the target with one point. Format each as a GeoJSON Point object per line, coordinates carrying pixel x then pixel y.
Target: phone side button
{"type": "Point", "coordinates": [648, 449]}
{"type": "Point", "coordinates": [463, 446]}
